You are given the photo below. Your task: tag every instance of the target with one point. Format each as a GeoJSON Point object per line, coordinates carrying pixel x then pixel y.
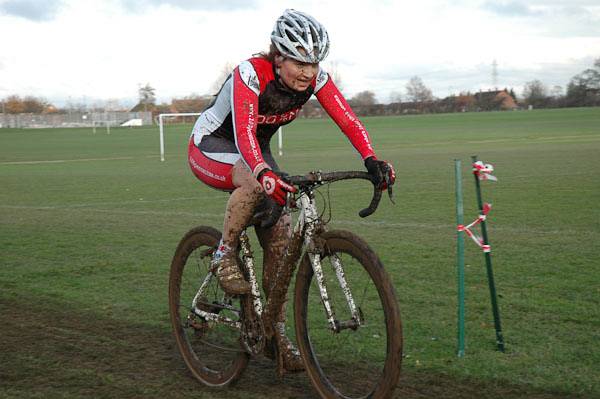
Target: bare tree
{"type": "Point", "coordinates": [147, 97]}
{"type": "Point", "coordinates": [222, 77]}
{"type": "Point", "coordinates": [535, 93]}
{"type": "Point", "coordinates": [584, 88]}
{"type": "Point", "coordinates": [34, 105]}
{"type": "Point", "coordinates": [417, 91]}
{"type": "Point", "coordinates": [395, 97]}
{"type": "Point", "coordinates": [557, 91]}
{"type": "Point", "coordinates": [364, 98]}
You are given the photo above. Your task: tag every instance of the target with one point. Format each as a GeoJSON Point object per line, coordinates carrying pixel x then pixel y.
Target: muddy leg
{"type": "Point", "coordinates": [238, 213]}
{"type": "Point", "coordinates": [274, 242]}
{"type": "Point", "coordinates": [276, 280]}
{"type": "Point", "coordinates": [241, 204]}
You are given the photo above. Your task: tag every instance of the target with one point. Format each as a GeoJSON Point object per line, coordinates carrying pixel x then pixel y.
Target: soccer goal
{"type": "Point", "coordinates": [161, 120]}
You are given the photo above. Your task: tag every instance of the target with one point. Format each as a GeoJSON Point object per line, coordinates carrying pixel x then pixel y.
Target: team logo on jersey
{"type": "Point", "coordinates": [249, 77]}
{"type": "Point", "coordinates": [322, 78]}
{"type": "Point", "coordinates": [277, 119]}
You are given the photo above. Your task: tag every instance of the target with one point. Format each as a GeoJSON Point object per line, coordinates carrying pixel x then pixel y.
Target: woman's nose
{"type": "Point", "coordinates": [309, 71]}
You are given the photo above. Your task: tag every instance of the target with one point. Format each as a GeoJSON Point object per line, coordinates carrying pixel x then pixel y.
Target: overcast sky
{"type": "Point", "coordinates": [90, 51]}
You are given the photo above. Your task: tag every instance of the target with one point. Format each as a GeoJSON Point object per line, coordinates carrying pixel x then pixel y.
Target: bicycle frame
{"type": "Point", "coordinates": [307, 226]}
{"type": "Point", "coordinates": [310, 218]}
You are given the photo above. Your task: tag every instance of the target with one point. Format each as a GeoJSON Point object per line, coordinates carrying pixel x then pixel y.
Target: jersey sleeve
{"type": "Point", "coordinates": [339, 110]}
{"type": "Point", "coordinates": [244, 107]}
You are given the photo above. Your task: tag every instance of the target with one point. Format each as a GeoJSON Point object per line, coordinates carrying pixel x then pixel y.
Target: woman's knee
{"type": "Point", "coordinates": [284, 224]}
{"type": "Point", "coordinates": [243, 178]}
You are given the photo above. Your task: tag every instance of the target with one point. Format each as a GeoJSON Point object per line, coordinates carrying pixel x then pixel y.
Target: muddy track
{"type": "Point", "coordinates": [50, 349]}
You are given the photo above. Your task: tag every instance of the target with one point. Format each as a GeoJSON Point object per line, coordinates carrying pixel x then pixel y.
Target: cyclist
{"type": "Point", "coordinates": [229, 148]}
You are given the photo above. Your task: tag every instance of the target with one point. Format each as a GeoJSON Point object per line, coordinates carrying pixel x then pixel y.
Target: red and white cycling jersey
{"type": "Point", "coordinates": [252, 104]}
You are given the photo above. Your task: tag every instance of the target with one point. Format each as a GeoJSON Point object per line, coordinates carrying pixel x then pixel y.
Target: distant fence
{"type": "Point", "coordinates": [73, 119]}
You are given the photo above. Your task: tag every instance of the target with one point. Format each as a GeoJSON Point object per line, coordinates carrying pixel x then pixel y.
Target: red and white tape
{"type": "Point", "coordinates": [483, 171]}
{"type": "Point", "coordinates": [467, 229]}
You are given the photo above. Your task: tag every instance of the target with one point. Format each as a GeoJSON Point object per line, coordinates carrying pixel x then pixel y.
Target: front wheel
{"type": "Point", "coordinates": [209, 343]}
{"type": "Point", "coordinates": [362, 359]}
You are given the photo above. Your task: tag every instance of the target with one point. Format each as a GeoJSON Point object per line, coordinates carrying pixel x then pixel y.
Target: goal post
{"type": "Point", "coordinates": [280, 140]}
{"type": "Point", "coordinates": [161, 118]}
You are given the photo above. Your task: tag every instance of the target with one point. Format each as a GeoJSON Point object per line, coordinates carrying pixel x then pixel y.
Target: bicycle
{"type": "Point", "coordinates": [347, 319]}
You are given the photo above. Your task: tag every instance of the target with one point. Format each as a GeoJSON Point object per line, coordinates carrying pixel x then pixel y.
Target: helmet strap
{"type": "Point", "coordinates": [278, 60]}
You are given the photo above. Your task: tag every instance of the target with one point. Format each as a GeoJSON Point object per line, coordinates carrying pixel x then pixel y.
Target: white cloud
{"type": "Point", "coordinates": [105, 49]}
{"type": "Point", "coordinates": [31, 9]}
{"type": "Point", "coordinates": [208, 5]}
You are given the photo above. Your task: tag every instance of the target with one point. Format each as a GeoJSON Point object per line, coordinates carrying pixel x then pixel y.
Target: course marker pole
{"type": "Point", "coordinates": [460, 258]}
{"type": "Point", "coordinates": [483, 174]}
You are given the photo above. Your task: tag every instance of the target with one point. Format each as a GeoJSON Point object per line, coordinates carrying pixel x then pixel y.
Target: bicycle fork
{"type": "Point", "coordinates": [310, 216]}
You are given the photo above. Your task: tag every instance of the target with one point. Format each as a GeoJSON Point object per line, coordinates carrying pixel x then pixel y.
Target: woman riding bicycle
{"type": "Point", "coordinates": [229, 148]}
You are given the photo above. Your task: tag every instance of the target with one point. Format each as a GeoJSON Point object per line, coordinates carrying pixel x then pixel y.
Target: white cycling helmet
{"type": "Point", "coordinates": [296, 30]}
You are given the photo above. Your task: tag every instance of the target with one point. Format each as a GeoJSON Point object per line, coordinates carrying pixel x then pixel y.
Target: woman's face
{"type": "Point", "coordinates": [295, 74]}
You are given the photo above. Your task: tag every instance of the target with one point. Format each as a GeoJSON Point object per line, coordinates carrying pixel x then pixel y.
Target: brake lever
{"type": "Point", "coordinates": [389, 188]}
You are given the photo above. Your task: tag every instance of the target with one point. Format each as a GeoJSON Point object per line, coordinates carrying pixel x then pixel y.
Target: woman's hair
{"type": "Point", "coordinates": [270, 56]}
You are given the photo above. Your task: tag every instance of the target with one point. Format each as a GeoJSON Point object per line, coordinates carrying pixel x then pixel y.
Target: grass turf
{"type": "Point", "coordinates": [90, 222]}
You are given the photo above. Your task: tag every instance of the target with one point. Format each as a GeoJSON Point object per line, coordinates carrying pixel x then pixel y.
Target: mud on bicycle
{"type": "Point", "coordinates": [347, 319]}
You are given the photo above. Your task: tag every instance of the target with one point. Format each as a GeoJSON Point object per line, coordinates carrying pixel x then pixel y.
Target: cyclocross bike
{"type": "Point", "coordinates": [347, 318]}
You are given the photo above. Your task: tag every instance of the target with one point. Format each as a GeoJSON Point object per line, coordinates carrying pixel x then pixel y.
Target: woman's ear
{"type": "Point", "coordinates": [278, 60]}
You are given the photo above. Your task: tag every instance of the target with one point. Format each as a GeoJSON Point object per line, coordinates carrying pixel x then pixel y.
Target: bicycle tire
{"type": "Point", "coordinates": [210, 365]}
{"type": "Point", "coordinates": [345, 364]}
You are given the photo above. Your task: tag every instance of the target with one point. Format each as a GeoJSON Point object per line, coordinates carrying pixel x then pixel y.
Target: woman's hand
{"type": "Point", "coordinates": [274, 186]}
{"type": "Point", "coordinates": [382, 172]}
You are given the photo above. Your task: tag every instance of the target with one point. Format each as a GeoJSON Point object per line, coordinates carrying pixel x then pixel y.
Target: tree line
{"type": "Point", "coordinates": [583, 90]}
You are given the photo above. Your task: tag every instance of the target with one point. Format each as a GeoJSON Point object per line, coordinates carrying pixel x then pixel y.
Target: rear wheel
{"type": "Point", "coordinates": [210, 348]}
{"type": "Point", "coordinates": [361, 361]}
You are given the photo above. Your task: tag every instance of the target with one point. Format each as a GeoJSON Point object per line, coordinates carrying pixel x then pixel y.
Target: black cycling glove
{"type": "Point", "coordinates": [382, 172]}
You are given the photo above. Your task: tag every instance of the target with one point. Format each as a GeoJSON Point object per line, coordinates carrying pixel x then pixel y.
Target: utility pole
{"type": "Point", "coordinates": [495, 74]}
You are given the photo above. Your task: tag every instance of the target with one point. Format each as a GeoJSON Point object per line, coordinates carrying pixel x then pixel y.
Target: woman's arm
{"type": "Point", "coordinates": [339, 110]}
{"type": "Point", "coordinates": [244, 107]}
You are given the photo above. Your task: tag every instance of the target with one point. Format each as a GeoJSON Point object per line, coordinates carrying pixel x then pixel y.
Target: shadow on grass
{"type": "Point", "coordinates": [52, 349]}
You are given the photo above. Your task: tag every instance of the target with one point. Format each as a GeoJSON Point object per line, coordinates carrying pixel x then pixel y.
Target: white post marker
{"type": "Point", "coordinates": [162, 133]}
{"type": "Point", "coordinates": [279, 132]}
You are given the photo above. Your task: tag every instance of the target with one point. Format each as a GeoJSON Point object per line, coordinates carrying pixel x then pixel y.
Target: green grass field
{"type": "Point", "coordinates": [89, 223]}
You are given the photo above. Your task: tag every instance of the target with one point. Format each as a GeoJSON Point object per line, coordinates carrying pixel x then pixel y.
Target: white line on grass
{"type": "Point", "coordinates": [357, 223]}
{"type": "Point", "coordinates": [139, 201]}
{"type": "Point", "coordinates": [115, 211]}
{"type": "Point", "coordinates": [92, 204]}
{"type": "Point", "coordinates": [73, 160]}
